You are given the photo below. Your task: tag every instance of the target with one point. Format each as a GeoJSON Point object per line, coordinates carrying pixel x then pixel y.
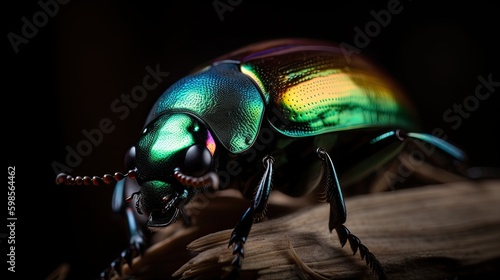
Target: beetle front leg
{"type": "Point", "coordinates": [338, 215]}
{"type": "Point", "coordinates": [251, 215]}
{"type": "Point", "coordinates": [136, 243]}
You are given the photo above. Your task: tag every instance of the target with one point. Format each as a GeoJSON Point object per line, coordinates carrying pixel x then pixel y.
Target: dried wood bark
{"type": "Point", "coordinates": [439, 231]}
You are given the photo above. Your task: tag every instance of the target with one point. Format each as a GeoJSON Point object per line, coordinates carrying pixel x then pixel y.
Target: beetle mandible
{"type": "Point", "coordinates": [324, 116]}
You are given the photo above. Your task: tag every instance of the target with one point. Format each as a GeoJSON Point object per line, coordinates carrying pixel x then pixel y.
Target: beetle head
{"type": "Point", "coordinates": [173, 159]}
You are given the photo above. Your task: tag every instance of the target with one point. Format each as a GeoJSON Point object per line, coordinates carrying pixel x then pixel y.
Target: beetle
{"type": "Point", "coordinates": [287, 112]}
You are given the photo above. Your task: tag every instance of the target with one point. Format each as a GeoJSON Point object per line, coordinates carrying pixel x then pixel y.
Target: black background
{"type": "Point", "coordinates": [89, 53]}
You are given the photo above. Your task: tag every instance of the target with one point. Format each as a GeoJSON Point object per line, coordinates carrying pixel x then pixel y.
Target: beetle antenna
{"type": "Point", "coordinates": [107, 179]}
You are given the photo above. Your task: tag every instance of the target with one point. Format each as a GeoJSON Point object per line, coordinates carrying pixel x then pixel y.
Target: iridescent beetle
{"type": "Point", "coordinates": [310, 103]}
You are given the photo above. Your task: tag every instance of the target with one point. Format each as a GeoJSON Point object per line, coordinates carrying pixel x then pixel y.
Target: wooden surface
{"type": "Point", "coordinates": [442, 231]}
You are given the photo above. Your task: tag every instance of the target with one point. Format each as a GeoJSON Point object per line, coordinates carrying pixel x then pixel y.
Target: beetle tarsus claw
{"type": "Point", "coordinates": [234, 270]}
{"type": "Point", "coordinates": [234, 273]}
{"type": "Point", "coordinates": [136, 248]}
{"type": "Point", "coordinates": [355, 243]}
{"type": "Point", "coordinates": [239, 253]}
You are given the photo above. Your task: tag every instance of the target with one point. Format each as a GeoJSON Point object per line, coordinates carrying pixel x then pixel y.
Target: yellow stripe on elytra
{"type": "Point", "coordinates": [337, 93]}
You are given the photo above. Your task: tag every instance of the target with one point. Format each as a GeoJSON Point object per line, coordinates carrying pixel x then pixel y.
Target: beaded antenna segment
{"type": "Point", "coordinates": [107, 179]}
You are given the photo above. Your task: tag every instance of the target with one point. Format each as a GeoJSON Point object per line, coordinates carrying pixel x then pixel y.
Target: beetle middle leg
{"type": "Point", "coordinates": [338, 216]}
{"type": "Point", "coordinates": [252, 214]}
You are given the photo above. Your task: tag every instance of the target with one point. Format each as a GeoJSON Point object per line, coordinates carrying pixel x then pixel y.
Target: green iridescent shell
{"type": "Point", "coordinates": [302, 88]}
{"type": "Point", "coordinates": [311, 90]}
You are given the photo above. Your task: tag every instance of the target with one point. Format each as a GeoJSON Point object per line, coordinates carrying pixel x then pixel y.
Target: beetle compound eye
{"type": "Point", "coordinates": [197, 161]}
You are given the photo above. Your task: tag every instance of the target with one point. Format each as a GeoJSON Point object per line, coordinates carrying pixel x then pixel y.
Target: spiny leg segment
{"type": "Point", "coordinates": [338, 215]}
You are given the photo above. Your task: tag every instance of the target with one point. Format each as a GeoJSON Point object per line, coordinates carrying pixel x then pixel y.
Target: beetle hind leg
{"type": "Point", "coordinates": [338, 215]}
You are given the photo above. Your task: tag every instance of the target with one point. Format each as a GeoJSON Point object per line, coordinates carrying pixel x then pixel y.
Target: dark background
{"type": "Point", "coordinates": [90, 52]}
